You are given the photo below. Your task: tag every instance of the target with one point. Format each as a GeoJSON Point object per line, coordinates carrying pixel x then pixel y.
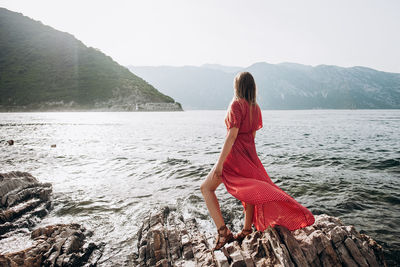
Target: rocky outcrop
{"type": "Point", "coordinates": [55, 245]}
{"type": "Point", "coordinates": [23, 201]}
{"type": "Point", "coordinates": [166, 239]}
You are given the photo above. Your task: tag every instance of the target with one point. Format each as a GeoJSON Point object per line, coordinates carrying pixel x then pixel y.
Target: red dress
{"type": "Point", "coordinates": [245, 178]}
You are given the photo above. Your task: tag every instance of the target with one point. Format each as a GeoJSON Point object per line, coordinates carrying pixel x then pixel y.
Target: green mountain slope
{"type": "Point", "coordinates": [41, 67]}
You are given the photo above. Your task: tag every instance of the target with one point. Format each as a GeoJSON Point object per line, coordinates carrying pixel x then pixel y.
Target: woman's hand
{"type": "Point", "coordinates": [218, 170]}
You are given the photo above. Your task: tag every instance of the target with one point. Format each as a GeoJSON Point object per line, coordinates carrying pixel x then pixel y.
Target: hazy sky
{"type": "Point", "coordinates": [337, 32]}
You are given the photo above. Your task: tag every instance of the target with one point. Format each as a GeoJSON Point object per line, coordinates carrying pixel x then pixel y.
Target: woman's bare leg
{"type": "Point", "coordinates": [208, 188]}
{"type": "Point", "coordinates": [248, 216]}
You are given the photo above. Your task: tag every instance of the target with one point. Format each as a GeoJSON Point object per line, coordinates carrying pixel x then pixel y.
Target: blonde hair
{"type": "Point", "coordinates": [245, 87]}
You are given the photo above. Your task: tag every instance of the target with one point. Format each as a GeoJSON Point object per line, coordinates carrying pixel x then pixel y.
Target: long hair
{"type": "Point", "coordinates": [245, 87]}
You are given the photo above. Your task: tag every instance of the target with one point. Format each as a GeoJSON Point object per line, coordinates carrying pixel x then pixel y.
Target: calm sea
{"type": "Point", "coordinates": [109, 169]}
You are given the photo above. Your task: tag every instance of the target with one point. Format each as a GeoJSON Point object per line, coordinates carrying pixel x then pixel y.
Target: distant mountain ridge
{"type": "Point", "coordinates": [280, 86]}
{"type": "Point", "coordinates": [42, 68]}
{"type": "Point", "coordinates": [228, 69]}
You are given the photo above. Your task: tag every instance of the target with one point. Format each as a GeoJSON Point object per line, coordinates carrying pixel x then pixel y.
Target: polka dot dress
{"type": "Point", "coordinates": [246, 179]}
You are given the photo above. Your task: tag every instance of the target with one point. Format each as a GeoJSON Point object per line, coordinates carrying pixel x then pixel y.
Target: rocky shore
{"type": "Point", "coordinates": [23, 202]}
{"type": "Point", "coordinates": [166, 239]}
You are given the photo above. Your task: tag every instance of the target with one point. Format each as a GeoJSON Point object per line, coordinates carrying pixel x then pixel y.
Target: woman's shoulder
{"type": "Point", "coordinates": [234, 104]}
{"type": "Point", "coordinates": [241, 102]}
{"type": "Point", "coordinates": [243, 105]}
{"type": "Point", "coordinates": [238, 106]}
{"type": "Point", "coordinates": [238, 102]}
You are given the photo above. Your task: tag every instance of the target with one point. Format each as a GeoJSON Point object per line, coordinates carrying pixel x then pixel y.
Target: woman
{"type": "Point", "coordinates": [244, 176]}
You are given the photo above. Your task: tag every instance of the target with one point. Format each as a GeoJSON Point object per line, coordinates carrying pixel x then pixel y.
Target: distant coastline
{"type": "Point", "coordinates": [72, 107]}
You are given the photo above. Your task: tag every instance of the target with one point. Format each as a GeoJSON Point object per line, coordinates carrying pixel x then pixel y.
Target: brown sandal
{"type": "Point", "coordinates": [240, 236]}
{"type": "Point", "coordinates": [223, 237]}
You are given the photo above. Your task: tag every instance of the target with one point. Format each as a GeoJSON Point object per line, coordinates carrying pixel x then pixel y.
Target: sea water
{"type": "Point", "coordinates": [109, 170]}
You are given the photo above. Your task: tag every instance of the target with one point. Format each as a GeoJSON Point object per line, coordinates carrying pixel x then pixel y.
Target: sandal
{"type": "Point", "coordinates": [223, 237]}
{"type": "Point", "coordinates": [240, 236]}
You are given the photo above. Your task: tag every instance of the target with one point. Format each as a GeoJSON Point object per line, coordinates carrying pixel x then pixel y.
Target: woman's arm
{"type": "Point", "coordinates": [229, 140]}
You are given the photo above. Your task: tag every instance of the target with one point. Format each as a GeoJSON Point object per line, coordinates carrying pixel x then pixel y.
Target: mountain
{"type": "Point", "coordinates": [42, 68]}
{"type": "Point", "coordinates": [223, 68]}
{"type": "Point", "coordinates": [280, 86]}
{"type": "Point", "coordinates": [196, 87]}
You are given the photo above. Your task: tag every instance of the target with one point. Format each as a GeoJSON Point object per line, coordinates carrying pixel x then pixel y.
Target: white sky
{"type": "Point", "coordinates": [240, 33]}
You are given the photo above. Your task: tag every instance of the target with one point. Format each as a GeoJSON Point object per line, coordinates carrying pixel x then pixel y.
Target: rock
{"type": "Point", "coordinates": [166, 239]}
{"type": "Point", "coordinates": [53, 145]}
{"type": "Point", "coordinates": [10, 142]}
{"type": "Point", "coordinates": [55, 245]}
{"type": "Point", "coordinates": [23, 201]}
{"type": "Point", "coordinates": [293, 246]}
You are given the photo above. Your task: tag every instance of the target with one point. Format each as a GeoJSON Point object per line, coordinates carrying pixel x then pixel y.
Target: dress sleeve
{"type": "Point", "coordinates": [234, 116]}
{"type": "Point", "coordinates": [259, 123]}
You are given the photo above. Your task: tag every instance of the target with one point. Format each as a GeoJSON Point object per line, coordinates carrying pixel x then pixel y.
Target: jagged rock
{"type": "Point", "coordinates": [166, 239]}
{"type": "Point", "coordinates": [55, 245]}
{"type": "Point", "coordinates": [22, 201]}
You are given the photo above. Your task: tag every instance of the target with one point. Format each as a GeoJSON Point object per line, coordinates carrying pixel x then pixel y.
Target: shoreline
{"type": "Point", "coordinates": [167, 239]}
{"type": "Point", "coordinates": [186, 110]}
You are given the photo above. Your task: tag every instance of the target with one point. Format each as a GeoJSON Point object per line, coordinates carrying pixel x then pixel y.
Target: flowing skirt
{"type": "Point", "coordinates": [246, 179]}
